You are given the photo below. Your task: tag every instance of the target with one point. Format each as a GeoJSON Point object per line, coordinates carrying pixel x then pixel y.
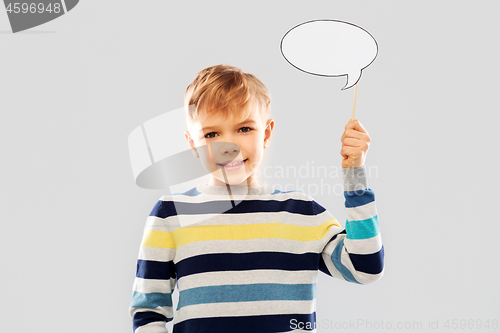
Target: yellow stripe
{"type": "Point", "coordinates": [156, 238]}
{"type": "Point", "coordinates": [191, 234]}
{"type": "Point", "coordinates": [324, 228]}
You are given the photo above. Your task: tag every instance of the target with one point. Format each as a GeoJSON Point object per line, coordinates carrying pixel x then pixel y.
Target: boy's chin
{"type": "Point", "coordinates": [233, 180]}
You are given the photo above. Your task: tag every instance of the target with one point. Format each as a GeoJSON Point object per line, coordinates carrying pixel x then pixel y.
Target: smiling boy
{"type": "Point", "coordinates": [238, 128]}
{"type": "Point", "coordinates": [250, 266]}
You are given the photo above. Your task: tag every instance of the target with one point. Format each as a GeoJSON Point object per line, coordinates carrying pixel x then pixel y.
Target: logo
{"type": "Point", "coordinates": [27, 14]}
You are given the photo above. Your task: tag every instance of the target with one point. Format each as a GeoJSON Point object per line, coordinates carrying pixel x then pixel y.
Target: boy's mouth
{"type": "Point", "coordinates": [232, 163]}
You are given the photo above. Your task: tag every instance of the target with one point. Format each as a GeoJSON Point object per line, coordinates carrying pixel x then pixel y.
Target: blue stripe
{"type": "Point", "coordinates": [150, 300]}
{"type": "Point", "coordinates": [146, 317]}
{"type": "Point", "coordinates": [159, 270]}
{"type": "Point", "coordinates": [362, 229]}
{"type": "Point", "coordinates": [322, 265]}
{"type": "Point", "coordinates": [248, 324]}
{"type": "Point", "coordinates": [340, 267]}
{"type": "Point", "coordinates": [368, 263]}
{"type": "Point", "coordinates": [190, 193]}
{"type": "Point", "coordinates": [247, 293]}
{"type": "Point", "coordinates": [164, 209]}
{"type": "Point", "coordinates": [214, 262]}
{"type": "Point", "coordinates": [358, 198]}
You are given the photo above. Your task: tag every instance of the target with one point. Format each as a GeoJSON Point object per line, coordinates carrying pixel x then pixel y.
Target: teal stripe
{"type": "Point", "coordinates": [338, 264]}
{"type": "Point", "coordinates": [247, 293]}
{"type": "Point", "coordinates": [362, 229]}
{"type": "Point", "coordinates": [150, 300]}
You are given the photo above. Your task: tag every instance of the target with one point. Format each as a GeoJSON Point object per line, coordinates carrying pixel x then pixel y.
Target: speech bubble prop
{"type": "Point", "coordinates": [26, 15]}
{"type": "Point", "coordinates": [161, 159]}
{"type": "Point", "coordinates": [329, 48]}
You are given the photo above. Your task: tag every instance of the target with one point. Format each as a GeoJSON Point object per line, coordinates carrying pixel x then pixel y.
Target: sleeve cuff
{"type": "Point", "coordinates": [354, 178]}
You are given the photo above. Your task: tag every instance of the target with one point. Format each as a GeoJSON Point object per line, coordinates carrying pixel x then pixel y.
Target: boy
{"type": "Point", "coordinates": [250, 267]}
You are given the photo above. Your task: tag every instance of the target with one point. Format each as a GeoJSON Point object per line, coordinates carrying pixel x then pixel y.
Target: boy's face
{"type": "Point", "coordinates": [221, 141]}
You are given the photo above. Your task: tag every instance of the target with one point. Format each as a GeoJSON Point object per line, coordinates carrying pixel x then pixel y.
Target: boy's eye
{"type": "Point", "coordinates": [208, 136]}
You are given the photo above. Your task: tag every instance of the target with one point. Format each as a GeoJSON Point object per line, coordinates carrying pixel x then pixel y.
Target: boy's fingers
{"type": "Point", "coordinates": [352, 133]}
{"type": "Point", "coordinates": [352, 142]}
{"type": "Point", "coordinates": [355, 124]}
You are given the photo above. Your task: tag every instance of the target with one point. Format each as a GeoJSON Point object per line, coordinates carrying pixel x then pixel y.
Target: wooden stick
{"type": "Point", "coordinates": [354, 107]}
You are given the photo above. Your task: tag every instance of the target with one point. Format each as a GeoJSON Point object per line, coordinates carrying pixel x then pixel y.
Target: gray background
{"type": "Point", "coordinates": [74, 88]}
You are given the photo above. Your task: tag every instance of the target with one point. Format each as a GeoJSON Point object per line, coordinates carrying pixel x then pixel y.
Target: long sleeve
{"type": "Point", "coordinates": [355, 254]}
{"type": "Point", "coordinates": [151, 305]}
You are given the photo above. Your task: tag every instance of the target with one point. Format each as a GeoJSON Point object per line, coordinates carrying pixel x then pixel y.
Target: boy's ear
{"type": "Point", "coordinates": [268, 130]}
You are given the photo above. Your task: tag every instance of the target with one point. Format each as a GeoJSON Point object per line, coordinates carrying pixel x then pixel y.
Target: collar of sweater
{"type": "Point", "coordinates": [234, 190]}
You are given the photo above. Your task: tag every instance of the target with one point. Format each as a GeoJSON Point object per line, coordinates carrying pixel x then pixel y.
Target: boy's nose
{"type": "Point", "coordinates": [228, 149]}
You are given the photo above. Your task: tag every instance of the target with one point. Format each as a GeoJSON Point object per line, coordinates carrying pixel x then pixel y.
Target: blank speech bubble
{"type": "Point", "coordinates": [330, 48]}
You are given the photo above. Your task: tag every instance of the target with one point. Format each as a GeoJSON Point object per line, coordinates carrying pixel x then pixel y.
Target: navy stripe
{"type": "Point", "coordinates": [143, 318]}
{"type": "Point", "coordinates": [322, 266]}
{"type": "Point", "coordinates": [214, 262]}
{"type": "Point", "coordinates": [358, 198]}
{"type": "Point", "coordinates": [368, 263]}
{"type": "Point", "coordinates": [317, 208]}
{"type": "Point", "coordinates": [157, 208]}
{"type": "Point", "coordinates": [248, 324]}
{"type": "Point", "coordinates": [149, 269]}
{"type": "Point", "coordinates": [296, 206]}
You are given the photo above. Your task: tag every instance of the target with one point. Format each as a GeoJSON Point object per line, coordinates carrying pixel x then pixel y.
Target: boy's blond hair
{"type": "Point", "coordinates": [225, 89]}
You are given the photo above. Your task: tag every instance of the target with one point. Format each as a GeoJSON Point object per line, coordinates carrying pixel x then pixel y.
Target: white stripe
{"type": "Point", "coordinates": [156, 223]}
{"type": "Point", "coordinates": [153, 327]}
{"type": "Point", "coordinates": [153, 285]}
{"type": "Point", "coordinates": [366, 278]}
{"type": "Point", "coordinates": [364, 246]}
{"type": "Point", "coordinates": [243, 309]}
{"type": "Point", "coordinates": [156, 254]}
{"type": "Point", "coordinates": [362, 212]}
{"type": "Point", "coordinates": [247, 246]}
{"type": "Point", "coordinates": [248, 277]}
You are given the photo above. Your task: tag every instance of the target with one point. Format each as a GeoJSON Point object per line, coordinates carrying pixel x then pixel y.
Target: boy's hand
{"type": "Point", "coordinates": [355, 144]}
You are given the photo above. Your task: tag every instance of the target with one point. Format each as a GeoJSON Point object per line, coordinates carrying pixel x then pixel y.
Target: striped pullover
{"type": "Point", "coordinates": [247, 261]}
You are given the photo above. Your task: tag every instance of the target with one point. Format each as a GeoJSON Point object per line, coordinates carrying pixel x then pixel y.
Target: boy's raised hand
{"type": "Point", "coordinates": [355, 144]}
